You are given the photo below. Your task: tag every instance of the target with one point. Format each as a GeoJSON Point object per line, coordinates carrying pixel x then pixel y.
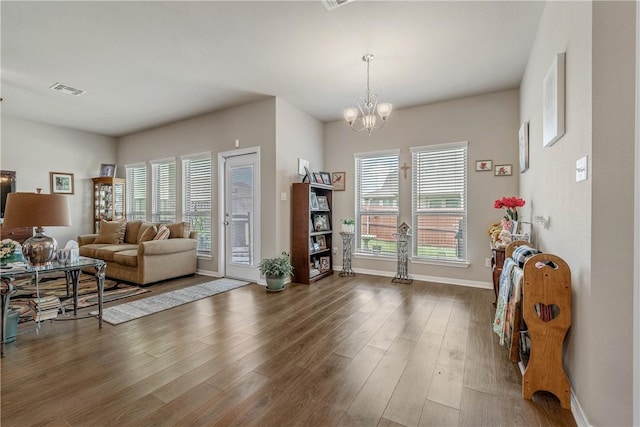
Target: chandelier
{"type": "Point", "coordinates": [368, 106]}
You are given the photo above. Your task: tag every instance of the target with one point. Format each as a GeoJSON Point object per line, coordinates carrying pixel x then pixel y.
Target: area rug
{"type": "Point", "coordinates": [55, 284]}
{"type": "Point", "coordinates": [154, 304]}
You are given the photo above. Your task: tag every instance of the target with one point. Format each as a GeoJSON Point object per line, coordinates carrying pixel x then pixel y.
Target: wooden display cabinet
{"type": "Point", "coordinates": [108, 200]}
{"type": "Point", "coordinates": [311, 225]}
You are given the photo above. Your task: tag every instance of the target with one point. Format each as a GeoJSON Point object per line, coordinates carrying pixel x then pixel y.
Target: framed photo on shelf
{"type": "Point", "coordinates": [503, 170]}
{"type": "Point", "coordinates": [303, 166]}
{"type": "Point", "coordinates": [308, 175]}
{"type": "Point", "coordinates": [321, 222]}
{"type": "Point", "coordinates": [313, 202]}
{"type": "Point", "coordinates": [311, 243]}
{"type": "Point", "coordinates": [484, 165]}
{"type": "Point", "coordinates": [338, 180]}
{"type": "Point", "coordinates": [318, 178]}
{"type": "Point", "coordinates": [322, 241]}
{"type": "Point", "coordinates": [107, 169]}
{"type": "Point", "coordinates": [326, 178]}
{"type": "Point", "coordinates": [61, 183]}
{"type": "Point", "coordinates": [325, 262]}
{"type": "Point", "coordinates": [323, 205]}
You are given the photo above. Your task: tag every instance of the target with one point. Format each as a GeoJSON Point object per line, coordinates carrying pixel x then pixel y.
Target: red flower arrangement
{"type": "Point", "coordinates": [511, 204]}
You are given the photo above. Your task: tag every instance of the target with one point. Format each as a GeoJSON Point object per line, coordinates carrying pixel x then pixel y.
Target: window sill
{"type": "Point", "coordinates": [206, 257]}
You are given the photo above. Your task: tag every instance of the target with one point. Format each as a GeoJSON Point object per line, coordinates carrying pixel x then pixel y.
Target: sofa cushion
{"type": "Point", "coordinates": [129, 257]}
{"type": "Point", "coordinates": [111, 232]}
{"type": "Point", "coordinates": [144, 227]}
{"type": "Point", "coordinates": [163, 233]}
{"type": "Point", "coordinates": [90, 249]}
{"type": "Point", "coordinates": [178, 230]}
{"type": "Point", "coordinates": [107, 252]}
{"type": "Point", "coordinates": [131, 235]}
{"type": "Point", "coordinates": [148, 234]}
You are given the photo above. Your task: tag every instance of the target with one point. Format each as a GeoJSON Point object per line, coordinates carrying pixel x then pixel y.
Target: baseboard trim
{"type": "Point", "coordinates": [208, 273]}
{"type": "Point", "coordinates": [578, 414]}
{"type": "Point", "coordinates": [436, 279]}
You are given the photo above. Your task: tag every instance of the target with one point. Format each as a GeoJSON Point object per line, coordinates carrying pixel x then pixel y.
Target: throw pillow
{"type": "Point", "coordinates": [131, 235]}
{"type": "Point", "coordinates": [163, 233]}
{"type": "Point", "coordinates": [143, 227]}
{"type": "Point", "coordinates": [111, 232]}
{"type": "Point", "coordinates": [178, 230]}
{"type": "Point", "coordinates": [148, 234]}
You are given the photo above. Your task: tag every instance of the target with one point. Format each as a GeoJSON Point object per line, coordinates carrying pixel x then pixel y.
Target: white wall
{"type": "Point", "coordinates": [252, 124]}
{"type": "Point", "coordinates": [490, 124]}
{"type": "Point", "coordinates": [598, 39]}
{"type": "Point", "coordinates": [298, 135]}
{"type": "Point", "coordinates": [35, 149]}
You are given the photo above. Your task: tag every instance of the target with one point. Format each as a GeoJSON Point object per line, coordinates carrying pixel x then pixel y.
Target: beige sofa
{"type": "Point", "coordinates": [133, 256]}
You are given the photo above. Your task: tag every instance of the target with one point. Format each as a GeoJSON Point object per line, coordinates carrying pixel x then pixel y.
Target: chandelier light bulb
{"type": "Point", "coordinates": [368, 106]}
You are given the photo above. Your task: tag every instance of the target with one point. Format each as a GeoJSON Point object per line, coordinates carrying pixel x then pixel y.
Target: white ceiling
{"type": "Point", "coordinates": [143, 64]}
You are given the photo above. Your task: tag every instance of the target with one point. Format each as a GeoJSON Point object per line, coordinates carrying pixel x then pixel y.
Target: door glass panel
{"type": "Point", "coordinates": [242, 209]}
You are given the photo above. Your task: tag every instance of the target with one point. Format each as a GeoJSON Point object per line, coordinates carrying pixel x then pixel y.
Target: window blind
{"type": "Point", "coordinates": [196, 197]}
{"type": "Point", "coordinates": [377, 194]}
{"type": "Point", "coordinates": [136, 176]}
{"type": "Point", "coordinates": [439, 202]}
{"type": "Point", "coordinates": [163, 191]}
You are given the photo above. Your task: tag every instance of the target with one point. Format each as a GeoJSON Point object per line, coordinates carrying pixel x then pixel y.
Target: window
{"type": "Point", "coordinates": [376, 202]}
{"type": "Point", "coordinates": [196, 197]}
{"type": "Point", "coordinates": [439, 202]}
{"type": "Point", "coordinates": [163, 190]}
{"type": "Point", "coordinates": [136, 192]}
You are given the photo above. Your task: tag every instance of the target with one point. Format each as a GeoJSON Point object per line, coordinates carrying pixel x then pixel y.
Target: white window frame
{"type": "Point", "coordinates": [461, 258]}
{"type": "Point", "coordinates": [360, 249]}
{"type": "Point", "coordinates": [155, 196]}
{"type": "Point", "coordinates": [205, 237]}
{"type": "Point", "coordinates": [132, 215]}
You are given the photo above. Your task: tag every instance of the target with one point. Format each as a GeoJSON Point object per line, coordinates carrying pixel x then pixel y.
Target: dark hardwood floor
{"type": "Point", "coordinates": [344, 351]}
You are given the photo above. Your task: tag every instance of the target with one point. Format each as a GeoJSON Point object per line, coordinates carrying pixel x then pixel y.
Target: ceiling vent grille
{"type": "Point", "coordinates": [67, 89]}
{"type": "Point", "coordinates": [333, 4]}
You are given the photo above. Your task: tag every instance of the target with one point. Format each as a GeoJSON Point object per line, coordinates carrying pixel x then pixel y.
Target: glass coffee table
{"type": "Point", "coordinates": [71, 269]}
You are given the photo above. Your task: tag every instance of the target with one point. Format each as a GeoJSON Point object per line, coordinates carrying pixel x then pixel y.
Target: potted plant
{"type": "Point", "coordinates": [275, 271]}
{"type": "Point", "coordinates": [348, 225]}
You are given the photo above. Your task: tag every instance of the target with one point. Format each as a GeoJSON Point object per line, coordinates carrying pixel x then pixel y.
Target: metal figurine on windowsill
{"type": "Point", "coordinates": [402, 237]}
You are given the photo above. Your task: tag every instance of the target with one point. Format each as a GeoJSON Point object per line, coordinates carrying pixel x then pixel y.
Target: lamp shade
{"type": "Point", "coordinates": [36, 210]}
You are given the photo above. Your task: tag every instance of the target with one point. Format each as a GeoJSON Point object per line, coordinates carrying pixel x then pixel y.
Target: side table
{"type": "Point", "coordinates": [347, 239]}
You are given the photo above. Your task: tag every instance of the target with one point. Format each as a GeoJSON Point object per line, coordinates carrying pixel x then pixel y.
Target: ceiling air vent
{"type": "Point", "coordinates": [332, 4]}
{"type": "Point", "coordinates": [67, 89]}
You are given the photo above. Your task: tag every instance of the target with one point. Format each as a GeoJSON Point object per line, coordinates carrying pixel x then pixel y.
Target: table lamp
{"type": "Point", "coordinates": [37, 210]}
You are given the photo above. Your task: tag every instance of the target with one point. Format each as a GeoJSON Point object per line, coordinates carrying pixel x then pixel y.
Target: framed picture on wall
{"type": "Point", "coordinates": [61, 183]}
{"type": "Point", "coordinates": [484, 165]}
{"type": "Point", "coordinates": [553, 102]}
{"type": "Point", "coordinates": [523, 140]}
{"type": "Point", "coordinates": [338, 180]}
{"type": "Point", "coordinates": [503, 170]}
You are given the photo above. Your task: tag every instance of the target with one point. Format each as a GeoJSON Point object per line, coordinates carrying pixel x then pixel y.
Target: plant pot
{"type": "Point", "coordinates": [275, 283]}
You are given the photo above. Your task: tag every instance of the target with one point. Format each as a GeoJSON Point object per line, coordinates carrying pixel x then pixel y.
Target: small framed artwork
{"type": "Point", "coordinates": [321, 222]}
{"type": "Point", "coordinates": [484, 165]}
{"type": "Point", "coordinates": [322, 241]}
{"type": "Point", "coordinates": [61, 183]}
{"type": "Point", "coordinates": [107, 170]}
{"type": "Point", "coordinates": [308, 175]}
{"type": "Point", "coordinates": [323, 205]}
{"type": "Point", "coordinates": [303, 166]}
{"type": "Point", "coordinates": [553, 102]}
{"type": "Point", "coordinates": [326, 178]}
{"type": "Point", "coordinates": [523, 140]}
{"type": "Point", "coordinates": [313, 202]}
{"type": "Point", "coordinates": [503, 170]}
{"type": "Point", "coordinates": [325, 263]}
{"type": "Point", "coordinates": [317, 178]}
{"type": "Point", "coordinates": [338, 180]}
